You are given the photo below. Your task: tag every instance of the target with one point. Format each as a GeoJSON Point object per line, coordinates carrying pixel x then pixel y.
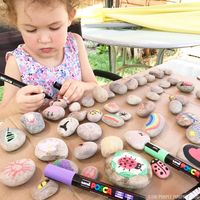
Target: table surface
{"type": "Point", "coordinates": [140, 38]}
{"type": "Point", "coordinates": [171, 138]}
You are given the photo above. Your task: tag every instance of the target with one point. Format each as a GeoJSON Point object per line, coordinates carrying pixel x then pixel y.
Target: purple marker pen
{"type": "Point", "coordinates": [71, 178]}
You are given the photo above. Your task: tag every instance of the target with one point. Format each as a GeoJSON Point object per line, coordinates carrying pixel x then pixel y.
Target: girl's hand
{"type": "Point", "coordinates": [72, 90]}
{"type": "Point", "coordinates": [29, 98]}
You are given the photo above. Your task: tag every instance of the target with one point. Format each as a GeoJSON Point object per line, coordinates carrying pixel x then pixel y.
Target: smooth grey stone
{"type": "Point", "coordinates": [100, 94]}
{"type": "Point", "coordinates": [173, 81]}
{"type": "Point", "coordinates": [175, 107]}
{"type": "Point", "coordinates": [11, 139]}
{"type": "Point", "coordinates": [131, 84]}
{"type": "Point", "coordinates": [152, 96]}
{"type": "Point", "coordinates": [87, 101]}
{"type": "Point", "coordinates": [150, 78]}
{"type": "Point", "coordinates": [141, 80]}
{"type": "Point", "coordinates": [164, 84]}
{"type": "Point", "coordinates": [94, 115]}
{"type": "Point", "coordinates": [183, 99]}
{"type": "Point", "coordinates": [185, 87]}
{"type": "Point", "coordinates": [193, 132]}
{"type": "Point", "coordinates": [136, 139]}
{"type": "Point", "coordinates": [158, 73]}
{"type": "Point", "coordinates": [90, 172]}
{"type": "Point", "coordinates": [33, 122]}
{"type": "Point", "coordinates": [79, 115]}
{"type": "Point", "coordinates": [44, 189]}
{"type": "Point", "coordinates": [113, 120]}
{"type": "Point", "coordinates": [17, 172]}
{"type": "Point", "coordinates": [66, 164]}
{"type": "Point", "coordinates": [50, 149]}
{"type": "Point", "coordinates": [157, 89]}
{"type": "Point", "coordinates": [124, 115]}
{"type": "Point", "coordinates": [133, 100]}
{"type": "Point", "coordinates": [167, 72]}
{"type": "Point", "coordinates": [89, 131]}
{"type": "Point", "coordinates": [110, 94]}
{"type": "Point", "coordinates": [111, 107]}
{"type": "Point", "coordinates": [67, 126]}
{"type": "Point", "coordinates": [54, 112]}
{"type": "Point", "coordinates": [118, 88]}
{"type": "Point", "coordinates": [60, 102]}
{"type": "Point", "coordinates": [145, 108]}
{"type": "Point", "coordinates": [75, 107]}
{"type": "Point", "coordinates": [85, 150]}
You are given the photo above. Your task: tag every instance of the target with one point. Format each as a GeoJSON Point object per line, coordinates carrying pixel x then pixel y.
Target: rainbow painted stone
{"type": "Point", "coordinates": [113, 120]}
{"type": "Point", "coordinates": [128, 170]}
{"type": "Point", "coordinates": [193, 133]}
{"type": "Point", "coordinates": [155, 124]}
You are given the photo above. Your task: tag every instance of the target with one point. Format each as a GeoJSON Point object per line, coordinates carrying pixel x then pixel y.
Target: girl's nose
{"type": "Point", "coordinates": [44, 38]}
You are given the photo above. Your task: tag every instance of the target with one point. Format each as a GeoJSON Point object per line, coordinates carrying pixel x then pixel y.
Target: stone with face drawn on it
{"type": "Point", "coordinates": [67, 126]}
{"type": "Point", "coordinates": [54, 112]}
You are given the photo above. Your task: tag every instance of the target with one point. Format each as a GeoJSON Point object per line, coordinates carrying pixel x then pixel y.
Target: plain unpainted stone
{"type": "Point", "coordinates": [118, 88]}
{"type": "Point", "coordinates": [133, 100]}
{"type": "Point", "coordinates": [79, 115]}
{"type": "Point", "coordinates": [94, 115]}
{"type": "Point", "coordinates": [74, 107]}
{"type": "Point", "coordinates": [53, 112]}
{"type": "Point", "coordinates": [89, 131]}
{"type": "Point", "coordinates": [164, 84]}
{"type": "Point", "coordinates": [50, 149]}
{"type": "Point", "coordinates": [113, 120]}
{"type": "Point", "coordinates": [158, 73]}
{"type": "Point", "coordinates": [87, 101]}
{"type": "Point", "coordinates": [175, 107]}
{"type": "Point", "coordinates": [100, 94]}
{"type": "Point", "coordinates": [157, 89]}
{"type": "Point", "coordinates": [11, 139]}
{"type": "Point", "coordinates": [183, 99]}
{"type": "Point", "coordinates": [150, 78]}
{"type": "Point", "coordinates": [59, 102]}
{"type": "Point", "coordinates": [141, 80]}
{"type": "Point", "coordinates": [152, 96]}
{"type": "Point", "coordinates": [110, 94]}
{"type": "Point", "coordinates": [145, 108]}
{"type": "Point", "coordinates": [111, 107]}
{"type": "Point", "coordinates": [110, 145]}
{"type": "Point", "coordinates": [173, 81]}
{"type": "Point", "coordinates": [131, 84]}
{"type": "Point", "coordinates": [168, 72]}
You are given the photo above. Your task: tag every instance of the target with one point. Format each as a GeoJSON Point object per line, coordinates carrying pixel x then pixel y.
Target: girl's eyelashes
{"type": "Point", "coordinates": [54, 28]}
{"type": "Point", "coordinates": [31, 31]}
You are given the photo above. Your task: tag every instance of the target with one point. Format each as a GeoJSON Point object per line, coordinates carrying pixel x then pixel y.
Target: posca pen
{"type": "Point", "coordinates": [164, 156]}
{"type": "Point", "coordinates": [71, 178]}
{"type": "Point", "coordinates": [57, 85]}
{"type": "Point", "coordinates": [17, 83]}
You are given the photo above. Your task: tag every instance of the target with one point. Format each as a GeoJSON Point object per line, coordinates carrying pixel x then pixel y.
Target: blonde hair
{"type": "Point", "coordinates": [8, 13]}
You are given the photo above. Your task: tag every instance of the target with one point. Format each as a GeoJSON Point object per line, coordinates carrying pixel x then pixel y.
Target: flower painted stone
{"type": "Point", "coordinates": [145, 108]}
{"type": "Point", "coordinates": [90, 172]}
{"type": "Point", "coordinates": [185, 86]}
{"type": "Point", "coordinates": [87, 101]}
{"type": "Point", "coordinates": [50, 149]}
{"type": "Point", "coordinates": [136, 139]}
{"type": "Point", "coordinates": [66, 164]}
{"type": "Point", "coordinates": [33, 122]}
{"type": "Point", "coordinates": [154, 125]}
{"type": "Point", "coordinates": [54, 112]}
{"type": "Point", "coordinates": [111, 107]}
{"type": "Point", "coordinates": [11, 139]}
{"type": "Point", "coordinates": [89, 131]}
{"type": "Point", "coordinates": [44, 189]}
{"type": "Point", "coordinates": [67, 126]}
{"type": "Point", "coordinates": [186, 119]}
{"type": "Point", "coordinates": [110, 145]}
{"type": "Point", "coordinates": [193, 133]}
{"type": "Point", "coordinates": [160, 169]}
{"type": "Point", "coordinates": [94, 115]}
{"type": "Point", "coordinates": [17, 172]}
{"type": "Point", "coordinates": [113, 120]}
{"type": "Point", "coordinates": [128, 170]}
{"type": "Point", "coordinates": [100, 94]}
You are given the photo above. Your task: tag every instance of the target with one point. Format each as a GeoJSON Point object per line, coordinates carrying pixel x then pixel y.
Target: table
{"type": "Point", "coordinates": [172, 137]}
{"type": "Point", "coordinates": [138, 38]}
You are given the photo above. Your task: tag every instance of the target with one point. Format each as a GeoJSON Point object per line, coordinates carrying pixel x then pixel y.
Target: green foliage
{"type": "Point", "coordinates": [1, 92]}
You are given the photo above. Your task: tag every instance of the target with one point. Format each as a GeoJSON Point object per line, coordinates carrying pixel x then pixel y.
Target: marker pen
{"type": "Point", "coordinates": [71, 178]}
{"type": "Point", "coordinates": [164, 156]}
{"type": "Point", "coordinates": [57, 85]}
{"type": "Point", "coordinates": [17, 83]}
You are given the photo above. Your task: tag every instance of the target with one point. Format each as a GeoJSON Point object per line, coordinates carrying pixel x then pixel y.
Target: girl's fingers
{"type": "Point", "coordinates": [65, 87]}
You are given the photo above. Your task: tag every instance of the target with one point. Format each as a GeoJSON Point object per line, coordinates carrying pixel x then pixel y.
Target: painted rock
{"type": "Point", "coordinates": [54, 113]}
{"type": "Point", "coordinates": [89, 131]}
{"type": "Point", "coordinates": [152, 96]}
{"type": "Point", "coordinates": [50, 149]}
{"type": "Point", "coordinates": [44, 189]}
{"type": "Point", "coordinates": [11, 139]}
{"type": "Point", "coordinates": [33, 122]}
{"type": "Point", "coordinates": [183, 99]}
{"type": "Point", "coordinates": [158, 73]}
{"type": "Point", "coordinates": [150, 78]}
{"type": "Point", "coordinates": [118, 88]}
{"type": "Point", "coordinates": [94, 115]}
{"type": "Point", "coordinates": [128, 170]}
{"type": "Point", "coordinates": [136, 139]}
{"type": "Point", "coordinates": [87, 101]}
{"type": "Point", "coordinates": [100, 94]}
{"type": "Point", "coordinates": [190, 153]}
{"type": "Point", "coordinates": [198, 94]}
{"type": "Point", "coordinates": [154, 125]}
{"type": "Point", "coordinates": [60, 102]}
{"type": "Point", "coordinates": [175, 107]}
{"type": "Point", "coordinates": [193, 133]}
{"type": "Point", "coordinates": [186, 119]}
{"type": "Point", "coordinates": [145, 108]}
{"type": "Point", "coordinates": [110, 94]}
{"type": "Point", "coordinates": [185, 87]}
{"type": "Point", "coordinates": [112, 107]}
{"type": "Point", "coordinates": [167, 72]}
{"type": "Point", "coordinates": [157, 89]}
{"type": "Point", "coordinates": [112, 120]}
{"type": "Point", "coordinates": [90, 172]}
{"type": "Point", "coordinates": [85, 150]}
{"type": "Point", "coordinates": [141, 80]}
{"type": "Point", "coordinates": [66, 164]}
{"type": "Point", "coordinates": [124, 115]}
{"type": "Point", "coordinates": [67, 126]}
{"type": "Point", "coordinates": [131, 84]}
{"type": "Point", "coordinates": [74, 107]}
{"type": "Point", "coordinates": [173, 81]}
{"type": "Point", "coordinates": [17, 172]}
{"type": "Point", "coordinates": [133, 100]}
{"type": "Point", "coordinates": [164, 84]}
{"type": "Point", "coordinates": [79, 115]}
{"type": "Point", "coordinates": [160, 169]}
{"type": "Point", "coordinates": [110, 145]}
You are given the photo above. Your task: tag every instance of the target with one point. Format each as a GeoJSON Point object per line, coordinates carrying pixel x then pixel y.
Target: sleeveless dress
{"type": "Point", "coordinates": [33, 73]}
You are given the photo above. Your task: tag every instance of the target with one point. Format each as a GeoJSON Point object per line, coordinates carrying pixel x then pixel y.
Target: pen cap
{"type": "Point", "coordinates": [59, 174]}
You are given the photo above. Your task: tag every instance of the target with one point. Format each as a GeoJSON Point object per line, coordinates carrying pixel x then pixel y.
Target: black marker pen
{"type": "Point", "coordinates": [57, 85]}
{"type": "Point", "coordinates": [71, 178]}
{"type": "Point", "coordinates": [17, 83]}
{"type": "Point", "coordinates": [164, 156]}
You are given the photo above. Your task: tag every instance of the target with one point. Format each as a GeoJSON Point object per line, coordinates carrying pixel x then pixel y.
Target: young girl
{"type": "Point", "coordinates": [49, 54]}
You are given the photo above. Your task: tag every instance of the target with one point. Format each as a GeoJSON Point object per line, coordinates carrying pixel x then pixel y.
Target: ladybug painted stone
{"type": "Point", "coordinates": [160, 169]}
